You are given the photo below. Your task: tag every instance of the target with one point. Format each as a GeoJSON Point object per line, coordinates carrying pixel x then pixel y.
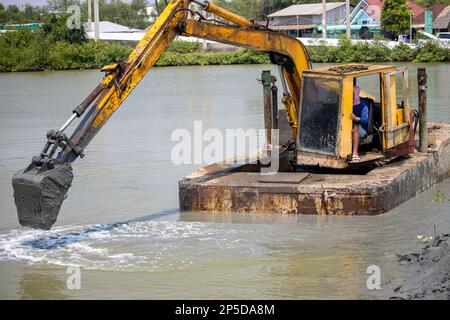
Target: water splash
{"type": "Point", "coordinates": [144, 244]}
{"type": "Point", "coordinates": [49, 242]}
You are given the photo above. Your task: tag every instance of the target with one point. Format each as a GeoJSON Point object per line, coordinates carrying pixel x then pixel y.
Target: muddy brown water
{"type": "Point", "coordinates": [121, 222]}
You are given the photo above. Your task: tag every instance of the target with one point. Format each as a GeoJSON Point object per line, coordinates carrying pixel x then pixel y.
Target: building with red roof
{"type": "Point", "coordinates": [415, 8]}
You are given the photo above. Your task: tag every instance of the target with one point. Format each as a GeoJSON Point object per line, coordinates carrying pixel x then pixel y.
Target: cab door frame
{"type": "Point", "coordinates": [394, 133]}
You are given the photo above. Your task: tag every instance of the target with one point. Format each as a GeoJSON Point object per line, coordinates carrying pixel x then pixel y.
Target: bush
{"type": "Point", "coordinates": [430, 51]}
{"type": "Point", "coordinates": [242, 56]}
{"type": "Point", "coordinates": [183, 47]}
{"type": "Point", "coordinates": [378, 51]}
{"type": "Point", "coordinates": [402, 53]}
{"type": "Point", "coordinates": [322, 53]}
{"type": "Point", "coordinates": [26, 50]}
{"type": "Point", "coordinates": [112, 53]}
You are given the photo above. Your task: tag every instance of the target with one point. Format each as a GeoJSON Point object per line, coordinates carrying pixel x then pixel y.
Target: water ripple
{"type": "Point", "coordinates": [143, 244]}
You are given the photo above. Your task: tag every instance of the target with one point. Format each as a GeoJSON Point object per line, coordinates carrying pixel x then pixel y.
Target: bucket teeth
{"type": "Point", "coordinates": [39, 194]}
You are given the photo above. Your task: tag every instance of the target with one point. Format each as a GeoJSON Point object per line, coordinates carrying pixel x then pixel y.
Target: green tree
{"type": "Point", "coordinates": [395, 16]}
{"type": "Point", "coordinates": [141, 16]}
{"type": "Point", "coordinates": [61, 5]}
{"type": "Point", "coordinates": [30, 14]}
{"type": "Point", "coordinates": [2, 14]}
{"type": "Point", "coordinates": [132, 14]}
{"type": "Point", "coordinates": [55, 28]}
{"type": "Point", "coordinates": [11, 14]}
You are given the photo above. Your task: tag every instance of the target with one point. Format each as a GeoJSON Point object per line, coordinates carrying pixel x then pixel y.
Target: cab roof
{"type": "Point", "coordinates": [353, 70]}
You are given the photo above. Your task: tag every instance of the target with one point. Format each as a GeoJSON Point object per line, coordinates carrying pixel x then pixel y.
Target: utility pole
{"type": "Point", "coordinates": [347, 18]}
{"type": "Point", "coordinates": [89, 15]}
{"type": "Point", "coordinates": [204, 43]}
{"type": "Point", "coordinates": [324, 19]}
{"type": "Point", "coordinates": [410, 27]}
{"type": "Point", "coordinates": [96, 19]}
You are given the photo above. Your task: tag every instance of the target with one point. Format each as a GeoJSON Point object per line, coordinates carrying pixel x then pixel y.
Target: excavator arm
{"type": "Point", "coordinates": [40, 189]}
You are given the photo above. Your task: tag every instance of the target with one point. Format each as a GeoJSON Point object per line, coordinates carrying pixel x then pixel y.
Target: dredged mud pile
{"type": "Point", "coordinates": [432, 264]}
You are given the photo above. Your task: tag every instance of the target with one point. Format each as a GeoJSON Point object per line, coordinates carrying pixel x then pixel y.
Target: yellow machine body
{"type": "Point", "coordinates": [325, 128]}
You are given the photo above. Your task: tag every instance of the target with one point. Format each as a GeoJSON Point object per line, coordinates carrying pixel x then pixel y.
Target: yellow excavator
{"type": "Point", "coordinates": [317, 104]}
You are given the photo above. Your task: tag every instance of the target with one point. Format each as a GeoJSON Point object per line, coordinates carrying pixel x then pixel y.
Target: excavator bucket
{"type": "Point", "coordinates": [39, 194]}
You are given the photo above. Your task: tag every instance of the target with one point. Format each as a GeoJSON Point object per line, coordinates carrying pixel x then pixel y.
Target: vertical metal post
{"type": "Point", "coordinates": [266, 78]}
{"type": "Point", "coordinates": [96, 19]}
{"type": "Point", "coordinates": [410, 27]}
{"type": "Point", "coordinates": [298, 31]}
{"type": "Point", "coordinates": [423, 132]}
{"type": "Point", "coordinates": [324, 19]}
{"type": "Point", "coordinates": [347, 18]}
{"type": "Point", "coordinates": [204, 43]}
{"type": "Point", "coordinates": [274, 90]}
{"type": "Point", "coordinates": [89, 3]}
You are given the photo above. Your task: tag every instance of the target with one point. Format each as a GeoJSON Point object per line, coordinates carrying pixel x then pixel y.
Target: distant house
{"type": "Point", "coordinates": [301, 20]}
{"type": "Point", "coordinates": [442, 21]}
{"type": "Point", "coordinates": [364, 14]}
{"type": "Point", "coordinates": [367, 16]}
{"type": "Point", "coordinates": [415, 9]}
{"type": "Point", "coordinates": [373, 8]}
{"type": "Point", "coordinates": [364, 18]}
{"type": "Point", "coordinates": [440, 18]}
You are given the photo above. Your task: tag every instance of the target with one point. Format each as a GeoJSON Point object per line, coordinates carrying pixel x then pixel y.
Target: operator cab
{"type": "Point", "coordinates": [324, 137]}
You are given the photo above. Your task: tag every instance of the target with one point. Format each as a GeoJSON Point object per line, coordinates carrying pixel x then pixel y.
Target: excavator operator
{"type": "Point", "coordinates": [360, 117]}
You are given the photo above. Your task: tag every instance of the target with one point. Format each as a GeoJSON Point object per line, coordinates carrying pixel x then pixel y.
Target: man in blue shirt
{"type": "Point", "coordinates": [360, 117]}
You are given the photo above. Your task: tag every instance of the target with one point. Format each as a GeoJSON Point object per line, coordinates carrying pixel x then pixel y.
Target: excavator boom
{"type": "Point", "coordinates": [40, 189]}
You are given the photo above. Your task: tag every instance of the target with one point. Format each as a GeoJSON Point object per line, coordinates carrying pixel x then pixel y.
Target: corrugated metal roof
{"type": "Point", "coordinates": [306, 9]}
{"type": "Point", "coordinates": [110, 27]}
{"type": "Point", "coordinates": [293, 27]}
{"type": "Point", "coordinates": [443, 19]}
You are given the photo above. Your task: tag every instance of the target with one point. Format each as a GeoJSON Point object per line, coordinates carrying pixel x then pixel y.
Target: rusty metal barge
{"type": "Point", "coordinates": [226, 187]}
{"type": "Point", "coordinates": [321, 174]}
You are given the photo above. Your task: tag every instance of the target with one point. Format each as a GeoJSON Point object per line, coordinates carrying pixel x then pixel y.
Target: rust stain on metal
{"type": "Point", "coordinates": [349, 68]}
{"type": "Point", "coordinates": [284, 177]}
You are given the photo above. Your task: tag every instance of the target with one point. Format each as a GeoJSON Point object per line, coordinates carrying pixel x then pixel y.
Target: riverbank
{"type": "Point", "coordinates": [432, 280]}
{"type": "Point", "coordinates": [344, 52]}
{"type": "Point", "coordinates": [33, 51]}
